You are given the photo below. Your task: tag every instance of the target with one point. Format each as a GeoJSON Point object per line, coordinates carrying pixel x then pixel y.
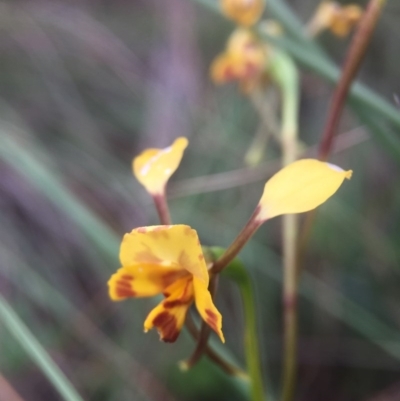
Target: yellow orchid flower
{"type": "Point", "coordinates": [166, 260]}
{"type": "Point", "coordinates": [300, 187]}
{"type": "Point", "coordinates": [154, 167]}
{"type": "Point", "coordinates": [244, 12]}
{"type": "Point", "coordinates": [339, 19]}
{"type": "Point", "coordinates": [244, 60]}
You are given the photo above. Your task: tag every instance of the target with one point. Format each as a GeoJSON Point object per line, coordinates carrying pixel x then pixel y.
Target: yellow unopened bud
{"type": "Point", "coordinates": [243, 12]}
{"type": "Point", "coordinates": [154, 167]}
{"type": "Point", "coordinates": [299, 187]}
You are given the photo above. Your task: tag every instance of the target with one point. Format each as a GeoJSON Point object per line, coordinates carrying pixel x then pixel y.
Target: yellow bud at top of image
{"type": "Point", "coordinates": [243, 12]}
{"type": "Point", "coordinates": [153, 167]}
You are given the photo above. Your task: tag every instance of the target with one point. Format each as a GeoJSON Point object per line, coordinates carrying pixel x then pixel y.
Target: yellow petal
{"type": "Point", "coordinates": [244, 12]}
{"type": "Point", "coordinates": [176, 246]}
{"type": "Point", "coordinates": [168, 317]}
{"type": "Point", "coordinates": [154, 167]}
{"type": "Point", "coordinates": [206, 307]}
{"type": "Point", "coordinates": [299, 187]}
{"type": "Point", "coordinates": [143, 280]}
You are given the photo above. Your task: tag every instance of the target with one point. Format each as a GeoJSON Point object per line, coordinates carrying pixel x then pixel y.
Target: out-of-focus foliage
{"type": "Point", "coordinates": [87, 85]}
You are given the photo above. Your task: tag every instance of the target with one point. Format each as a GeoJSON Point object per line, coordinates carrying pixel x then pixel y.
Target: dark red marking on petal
{"type": "Point", "coordinates": [123, 284]}
{"type": "Point", "coordinates": [167, 327]}
{"type": "Point", "coordinates": [212, 319]}
{"type": "Point", "coordinates": [124, 292]}
{"type": "Point", "coordinates": [229, 74]}
{"type": "Point", "coordinates": [184, 299]}
{"type": "Point", "coordinates": [127, 277]}
{"type": "Point", "coordinates": [171, 276]}
{"type": "Point", "coordinates": [250, 69]}
{"type": "Point", "coordinates": [172, 304]}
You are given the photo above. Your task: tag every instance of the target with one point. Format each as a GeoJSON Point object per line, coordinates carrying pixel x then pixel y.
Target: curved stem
{"type": "Point", "coordinates": [355, 56]}
{"type": "Point", "coordinates": [231, 252]}
{"type": "Point", "coordinates": [213, 355]}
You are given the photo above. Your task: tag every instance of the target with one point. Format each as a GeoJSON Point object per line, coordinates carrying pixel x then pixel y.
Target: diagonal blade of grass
{"type": "Point", "coordinates": [50, 184]}
{"type": "Point", "coordinates": [38, 354]}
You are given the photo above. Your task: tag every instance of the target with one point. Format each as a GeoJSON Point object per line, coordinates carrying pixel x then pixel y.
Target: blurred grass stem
{"type": "Point", "coordinates": [264, 105]}
{"type": "Point", "coordinates": [354, 58]}
{"type": "Point", "coordinates": [38, 354]}
{"type": "Point", "coordinates": [285, 75]}
{"type": "Point", "coordinates": [237, 272]}
{"type": "Point", "coordinates": [213, 355]}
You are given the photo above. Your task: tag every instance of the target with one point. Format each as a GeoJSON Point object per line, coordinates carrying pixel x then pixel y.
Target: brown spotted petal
{"type": "Point", "coordinates": [143, 280]}
{"type": "Point", "coordinates": [168, 316]}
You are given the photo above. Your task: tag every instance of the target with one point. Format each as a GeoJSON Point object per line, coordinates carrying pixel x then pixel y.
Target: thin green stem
{"type": "Point", "coordinates": [237, 272]}
{"type": "Point", "coordinates": [285, 74]}
{"type": "Point", "coordinates": [213, 355]}
{"type": "Point", "coordinates": [250, 342]}
{"type": "Point", "coordinates": [32, 346]}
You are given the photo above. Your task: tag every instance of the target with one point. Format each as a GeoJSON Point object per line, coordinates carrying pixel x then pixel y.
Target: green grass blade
{"type": "Point", "coordinates": [38, 354]}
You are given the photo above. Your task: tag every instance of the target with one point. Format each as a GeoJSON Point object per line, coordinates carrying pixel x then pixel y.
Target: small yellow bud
{"type": "Point", "coordinates": [243, 12]}
{"type": "Point", "coordinates": [154, 167]}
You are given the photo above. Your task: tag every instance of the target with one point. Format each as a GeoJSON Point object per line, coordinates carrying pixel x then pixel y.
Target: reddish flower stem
{"type": "Point", "coordinates": [212, 354]}
{"type": "Point", "coordinates": [160, 201]}
{"type": "Point", "coordinates": [354, 58]}
{"type": "Point", "coordinates": [247, 232]}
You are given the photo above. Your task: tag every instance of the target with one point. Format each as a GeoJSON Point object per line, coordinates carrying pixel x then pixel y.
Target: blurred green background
{"type": "Point", "coordinates": [84, 87]}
